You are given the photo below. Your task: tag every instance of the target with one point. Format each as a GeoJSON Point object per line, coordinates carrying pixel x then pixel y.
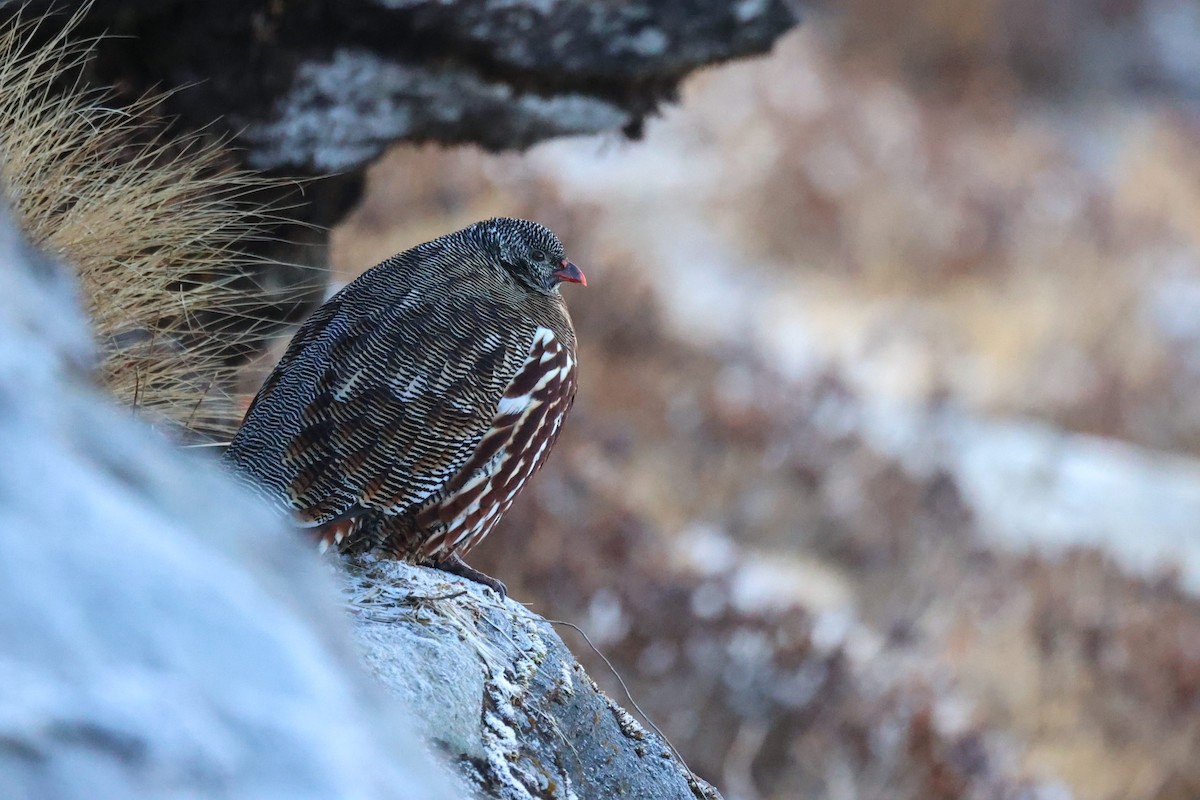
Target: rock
{"type": "Point", "coordinates": [324, 87]}
{"type": "Point", "coordinates": [160, 634]}
{"type": "Point", "coordinates": [497, 689]}
{"type": "Point", "coordinates": [342, 111]}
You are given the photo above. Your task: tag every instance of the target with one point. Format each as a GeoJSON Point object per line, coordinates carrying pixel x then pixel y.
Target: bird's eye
{"type": "Point", "coordinates": [537, 255]}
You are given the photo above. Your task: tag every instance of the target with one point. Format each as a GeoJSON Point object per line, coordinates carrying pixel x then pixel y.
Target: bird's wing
{"type": "Point", "coordinates": [307, 333]}
{"type": "Point", "coordinates": [376, 406]}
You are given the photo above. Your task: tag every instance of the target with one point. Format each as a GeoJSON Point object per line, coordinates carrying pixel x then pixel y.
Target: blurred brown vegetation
{"type": "Point", "coordinates": [888, 208]}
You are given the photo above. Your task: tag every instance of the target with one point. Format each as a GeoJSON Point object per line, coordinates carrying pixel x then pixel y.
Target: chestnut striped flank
{"type": "Point", "coordinates": [526, 424]}
{"type": "Point", "coordinates": [334, 532]}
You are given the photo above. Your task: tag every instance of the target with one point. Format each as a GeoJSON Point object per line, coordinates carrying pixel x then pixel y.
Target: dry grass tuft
{"type": "Point", "coordinates": [153, 225]}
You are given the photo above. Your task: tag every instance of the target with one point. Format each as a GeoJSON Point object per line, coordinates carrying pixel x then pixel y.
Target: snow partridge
{"type": "Point", "coordinates": [413, 406]}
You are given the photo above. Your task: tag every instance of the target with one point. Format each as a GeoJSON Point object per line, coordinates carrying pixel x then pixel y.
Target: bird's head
{"type": "Point", "coordinates": [531, 253]}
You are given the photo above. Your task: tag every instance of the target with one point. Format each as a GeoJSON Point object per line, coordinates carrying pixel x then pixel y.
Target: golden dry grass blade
{"type": "Point", "coordinates": [153, 226]}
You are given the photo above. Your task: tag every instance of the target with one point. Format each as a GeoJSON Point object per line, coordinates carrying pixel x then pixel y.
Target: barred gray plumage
{"type": "Point", "coordinates": [411, 408]}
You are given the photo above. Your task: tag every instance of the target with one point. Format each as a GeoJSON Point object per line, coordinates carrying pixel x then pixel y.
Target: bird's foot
{"type": "Point", "coordinates": [456, 566]}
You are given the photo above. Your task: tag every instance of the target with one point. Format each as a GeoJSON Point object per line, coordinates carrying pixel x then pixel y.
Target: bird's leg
{"type": "Point", "coordinates": [456, 566]}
